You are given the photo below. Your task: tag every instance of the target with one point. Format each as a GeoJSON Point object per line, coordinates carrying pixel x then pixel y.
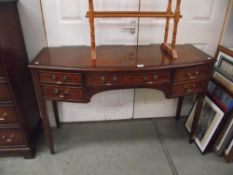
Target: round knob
{"type": "Point", "coordinates": [102, 79]}
{"type": "Point", "coordinates": [53, 77]}
{"type": "Point", "coordinates": [64, 78]}
{"type": "Point", "coordinates": [145, 78]}
{"type": "Point", "coordinates": [56, 91]}
{"type": "Point", "coordinates": [114, 78]}
{"type": "Point", "coordinates": [155, 77]}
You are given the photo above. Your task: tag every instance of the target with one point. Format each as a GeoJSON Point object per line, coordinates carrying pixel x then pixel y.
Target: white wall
{"type": "Point", "coordinates": [31, 21]}
{"type": "Point", "coordinates": [228, 37]}
{"type": "Point", "coordinates": [66, 25]}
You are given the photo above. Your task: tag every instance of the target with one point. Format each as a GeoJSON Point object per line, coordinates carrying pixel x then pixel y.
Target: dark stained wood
{"type": "Point", "coordinates": [118, 67]}
{"type": "Point", "coordinates": [179, 107]}
{"type": "Point", "coordinates": [22, 117]}
{"type": "Point", "coordinates": [56, 115]}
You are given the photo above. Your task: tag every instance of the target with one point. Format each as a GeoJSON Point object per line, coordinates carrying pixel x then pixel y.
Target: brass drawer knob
{"type": "Point", "coordinates": [64, 78]}
{"type": "Point", "coordinates": [102, 79]}
{"type": "Point", "coordinates": [191, 76]}
{"type": "Point", "coordinates": [189, 90]}
{"type": "Point", "coordinates": [56, 91]}
{"type": "Point", "coordinates": [53, 77]}
{"type": "Point", "coordinates": [155, 77]}
{"type": "Point", "coordinates": [114, 79]}
{"type": "Point", "coordinates": [145, 78]}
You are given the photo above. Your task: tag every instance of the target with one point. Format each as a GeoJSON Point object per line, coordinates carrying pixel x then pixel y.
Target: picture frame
{"type": "Point", "coordinates": [225, 67]}
{"type": "Point", "coordinates": [221, 96]}
{"type": "Point", "coordinates": [223, 81]}
{"type": "Point", "coordinates": [210, 118]}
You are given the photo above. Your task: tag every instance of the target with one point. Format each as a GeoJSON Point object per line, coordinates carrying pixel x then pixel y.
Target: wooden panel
{"type": "Point", "coordinates": [11, 137]}
{"type": "Point", "coordinates": [4, 92]}
{"type": "Point", "coordinates": [1, 70]}
{"type": "Point", "coordinates": [60, 78]}
{"type": "Point", "coordinates": [7, 115]}
{"type": "Point", "coordinates": [128, 79]}
{"type": "Point", "coordinates": [186, 88]}
{"type": "Point", "coordinates": [63, 93]}
{"type": "Point", "coordinates": [191, 73]}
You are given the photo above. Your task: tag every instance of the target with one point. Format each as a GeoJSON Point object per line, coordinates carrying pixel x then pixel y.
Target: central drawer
{"type": "Point", "coordinates": [63, 93]}
{"type": "Point", "coordinates": [128, 78]}
{"type": "Point", "coordinates": [11, 136]}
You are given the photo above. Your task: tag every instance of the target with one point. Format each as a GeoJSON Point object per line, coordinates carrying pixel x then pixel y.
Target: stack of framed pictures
{"type": "Point", "coordinates": [217, 107]}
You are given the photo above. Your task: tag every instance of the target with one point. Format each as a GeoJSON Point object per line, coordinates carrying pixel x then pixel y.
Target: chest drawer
{"type": "Point", "coordinates": [193, 73]}
{"type": "Point", "coordinates": [4, 92]}
{"type": "Point", "coordinates": [187, 88]}
{"type": "Point", "coordinates": [60, 78]}
{"type": "Point", "coordinates": [10, 137]}
{"type": "Point", "coordinates": [128, 79]}
{"type": "Point", "coordinates": [7, 115]}
{"type": "Point", "coordinates": [63, 93]}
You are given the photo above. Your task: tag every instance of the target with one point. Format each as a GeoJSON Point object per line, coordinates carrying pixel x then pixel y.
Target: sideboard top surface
{"type": "Point", "coordinates": [110, 58]}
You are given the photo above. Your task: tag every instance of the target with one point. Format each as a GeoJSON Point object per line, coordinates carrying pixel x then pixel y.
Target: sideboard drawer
{"type": "Point", "coordinates": [63, 93]}
{"type": "Point", "coordinates": [7, 115]}
{"type": "Point", "coordinates": [60, 78]}
{"type": "Point", "coordinates": [128, 79]}
{"type": "Point", "coordinates": [190, 87]}
{"type": "Point", "coordinates": [191, 73]}
{"type": "Point", "coordinates": [4, 92]}
{"type": "Point", "coordinates": [10, 137]}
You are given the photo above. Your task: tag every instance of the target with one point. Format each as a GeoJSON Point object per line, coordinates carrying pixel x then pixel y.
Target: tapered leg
{"type": "Point", "coordinates": [179, 107]}
{"type": "Point", "coordinates": [200, 100]}
{"type": "Point", "coordinates": [55, 110]}
{"type": "Point", "coordinates": [43, 111]}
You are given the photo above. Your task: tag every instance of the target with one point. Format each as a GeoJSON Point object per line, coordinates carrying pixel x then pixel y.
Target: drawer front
{"type": "Point", "coordinates": [60, 78]}
{"type": "Point", "coordinates": [63, 93]}
{"type": "Point", "coordinates": [7, 115]}
{"type": "Point", "coordinates": [1, 70]}
{"type": "Point", "coordinates": [4, 92]}
{"type": "Point", "coordinates": [10, 137]}
{"type": "Point", "coordinates": [191, 73]}
{"type": "Point", "coordinates": [190, 87]}
{"type": "Point", "coordinates": [128, 79]}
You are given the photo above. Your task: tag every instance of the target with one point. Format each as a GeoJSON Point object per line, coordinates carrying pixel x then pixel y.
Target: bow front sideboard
{"type": "Point", "coordinates": [67, 74]}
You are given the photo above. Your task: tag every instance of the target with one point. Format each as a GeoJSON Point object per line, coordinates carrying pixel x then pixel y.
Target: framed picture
{"type": "Point", "coordinates": [220, 96]}
{"type": "Point", "coordinates": [225, 67]}
{"type": "Point", "coordinates": [210, 119]}
{"type": "Point", "coordinates": [223, 81]}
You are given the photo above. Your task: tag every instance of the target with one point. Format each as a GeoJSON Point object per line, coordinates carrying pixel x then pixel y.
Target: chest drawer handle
{"type": "Point", "coordinates": [65, 93]}
{"type": "Point", "coordinates": [191, 76]}
{"type": "Point", "coordinates": [8, 139]}
{"type": "Point", "coordinates": [3, 118]}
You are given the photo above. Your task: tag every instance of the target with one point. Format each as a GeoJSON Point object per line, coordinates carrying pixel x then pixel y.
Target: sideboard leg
{"type": "Point", "coordinates": [55, 110]}
{"type": "Point", "coordinates": [43, 111]}
{"type": "Point", "coordinates": [179, 107]}
{"type": "Point", "coordinates": [200, 100]}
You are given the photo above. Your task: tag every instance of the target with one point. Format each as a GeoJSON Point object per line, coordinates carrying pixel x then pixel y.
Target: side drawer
{"type": "Point", "coordinates": [4, 92]}
{"type": "Point", "coordinates": [7, 115]}
{"type": "Point", "coordinates": [10, 137]}
{"type": "Point", "coordinates": [187, 88]}
{"type": "Point", "coordinates": [63, 93]}
{"type": "Point", "coordinates": [198, 72]}
{"type": "Point", "coordinates": [60, 78]}
{"type": "Point", "coordinates": [128, 79]}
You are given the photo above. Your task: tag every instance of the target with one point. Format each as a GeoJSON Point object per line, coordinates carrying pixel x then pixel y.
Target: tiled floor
{"type": "Point", "coordinates": [139, 147]}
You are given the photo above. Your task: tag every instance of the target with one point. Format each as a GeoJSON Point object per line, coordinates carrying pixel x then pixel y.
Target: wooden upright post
{"type": "Point", "coordinates": [92, 30]}
{"type": "Point", "coordinates": [169, 10]}
{"type": "Point", "coordinates": [176, 21]}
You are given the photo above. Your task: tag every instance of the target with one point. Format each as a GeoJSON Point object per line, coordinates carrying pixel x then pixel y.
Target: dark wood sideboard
{"type": "Point", "coordinates": [67, 74]}
{"type": "Point", "coordinates": [19, 114]}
